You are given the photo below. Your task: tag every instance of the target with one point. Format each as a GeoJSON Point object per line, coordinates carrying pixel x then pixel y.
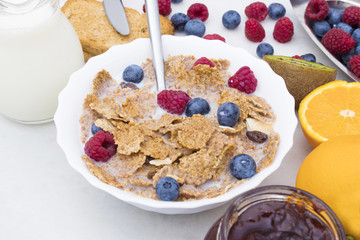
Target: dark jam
{"type": "Point", "coordinates": [274, 220]}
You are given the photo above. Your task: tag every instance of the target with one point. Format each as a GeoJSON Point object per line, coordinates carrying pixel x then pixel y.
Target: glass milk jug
{"type": "Point", "coordinates": [39, 49]}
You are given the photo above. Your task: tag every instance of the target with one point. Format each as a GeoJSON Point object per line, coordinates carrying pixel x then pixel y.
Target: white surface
{"type": "Point", "coordinates": [42, 197]}
{"type": "Point", "coordinates": [270, 86]}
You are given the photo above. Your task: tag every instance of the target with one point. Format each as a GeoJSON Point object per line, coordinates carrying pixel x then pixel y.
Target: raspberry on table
{"type": "Point", "coordinates": [198, 11]}
{"type": "Point", "coordinates": [283, 30]}
{"type": "Point", "coordinates": [164, 7]}
{"type": "Point", "coordinates": [351, 16]}
{"type": "Point", "coordinates": [297, 57]}
{"type": "Point", "coordinates": [214, 37]}
{"type": "Point", "coordinates": [254, 31]}
{"type": "Point", "coordinates": [338, 42]}
{"type": "Point", "coordinates": [173, 101]}
{"type": "Point", "coordinates": [243, 80]}
{"type": "Point", "coordinates": [256, 10]}
{"type": "Point", "coordinates": [100, 147]}
{"type": "Point", "coordinates": [354, 64]}
{"type": "Point", "coordinates": [317, 10]}
{"type": "Point", "coordinates": [203, 60]}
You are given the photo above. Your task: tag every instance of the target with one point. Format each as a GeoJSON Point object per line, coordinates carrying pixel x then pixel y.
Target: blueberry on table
{"type": "Point", "coordinates": [195, 27]}
{"type": "Point", "coordinates": [197, 106]}
{"type": "Point", "coordinates": [133, 73]}
{"type": "Point", "coordinates": [242, 166]}
{"type": "Point", "coordinates": [276, 11]}
{"type": "Point", "coordinates": [179, 20]}
{"type": "Point", "coordinates": [264, 49]}
{"type": "Point", "coordinates": [309, 57]}
{"type": "Point", "coordinates": [231, 19]}
{"type": "Point", "coordinates": [228, 114]}
{"type": "Point", "coordinates": [167, 189]}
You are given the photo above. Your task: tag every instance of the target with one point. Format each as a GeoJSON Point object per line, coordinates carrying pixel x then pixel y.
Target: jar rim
{"type": "Point", "coordinates": [284, 191]}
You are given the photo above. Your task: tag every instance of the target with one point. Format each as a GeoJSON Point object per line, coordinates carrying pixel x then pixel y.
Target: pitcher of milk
{"type": "Point", "coordinates": [39, 49]}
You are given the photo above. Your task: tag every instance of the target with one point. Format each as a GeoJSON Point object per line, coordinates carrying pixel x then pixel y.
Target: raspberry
{"type": "Point", "coordinates": [351, 16]}
{"type": "Point", "coordinates": [338, 42]}
{"type": "Point", "coordinates": [203, 60]}
{"type": "Point", "coordinates": [297, 57]}
{"type": "Point", "coordinates": [354, 64]}
{"type": "Point", "coordinates": [173, 101]}
{"type": "Point", "coordinates": [214, 37]}
{"type": "Point", "coordinates": [100, 147]}
{"type": "Point", "coordinates": [254, 31]}
{"type": "Point", "coordinates": [164, 7]}
{"type": "Point", "coordinates": [256, 10]}
{"type": "Point", "coordinates": [317, 10]}
{"type": "Point", "coordinates": [198, 11]}
{"type": "Point", "coordinates": [283, 30]}
{"type": "Point", "coordinates": [243, 80]}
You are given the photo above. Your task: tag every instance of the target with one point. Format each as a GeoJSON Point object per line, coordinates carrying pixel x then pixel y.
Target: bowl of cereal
{"type": "Point", "coordinates": [222, 126]}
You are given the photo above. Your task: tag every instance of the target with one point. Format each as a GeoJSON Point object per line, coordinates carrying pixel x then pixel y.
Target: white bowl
{"type": "Point", "coordinates": [270, 86]}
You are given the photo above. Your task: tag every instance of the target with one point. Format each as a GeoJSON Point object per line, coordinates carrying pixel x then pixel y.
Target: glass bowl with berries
{"type": "Point", "coordinates": [223, 124]}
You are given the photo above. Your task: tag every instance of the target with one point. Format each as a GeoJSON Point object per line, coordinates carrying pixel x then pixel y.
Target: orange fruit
{"type": "Point", "coordinates": [332, 173]}
{"type": "Point", "coordinates": [330, 110]}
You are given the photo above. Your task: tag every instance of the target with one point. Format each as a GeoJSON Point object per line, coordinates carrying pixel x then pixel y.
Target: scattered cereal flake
{"type": "Point", "coordinates": [125, 165]}
{"type": "Point", "coordinates": [100, 173]}
{"type": "Point", "coordinates": [155, 147]}
{"type": "Point", "coordinates": [102, 82]}
{"type": "Point", "coordinates": [128, 138]}
{"type": "Point", "coordinates": [198, 167]}
{"type": "Point", "coordinates": [194, 132]}
{"type": "Point", "coordinates": [165, 120]}
{"type": "Point", "coordinates": [106, 107]}
{"type": "Point", "coordinates": [105, 125]}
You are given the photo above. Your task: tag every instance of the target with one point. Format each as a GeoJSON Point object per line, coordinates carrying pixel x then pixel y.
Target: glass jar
{"type": "Point", "coordinates": [39, 49]}
{"type": "Point", "coordinates": [306, 204]}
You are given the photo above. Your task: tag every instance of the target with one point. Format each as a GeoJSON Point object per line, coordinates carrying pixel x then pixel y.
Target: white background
{"type": "Point", "coordinates": [42, 197]}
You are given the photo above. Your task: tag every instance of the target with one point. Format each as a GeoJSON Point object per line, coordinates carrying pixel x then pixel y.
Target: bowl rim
{"type": "Point", "coordinates": [62, 122]}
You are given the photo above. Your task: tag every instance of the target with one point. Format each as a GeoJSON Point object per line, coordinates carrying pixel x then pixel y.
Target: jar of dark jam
{"type": "Point", "coordinates": [277, 212]}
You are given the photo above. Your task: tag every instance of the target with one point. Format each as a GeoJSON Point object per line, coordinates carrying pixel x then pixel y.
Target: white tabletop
{"type": "Point", "coordinates": [42, 197]}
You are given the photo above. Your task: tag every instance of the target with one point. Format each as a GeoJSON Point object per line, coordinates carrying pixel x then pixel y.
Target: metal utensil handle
{"type": "Point", "coordinates": [153, 19]}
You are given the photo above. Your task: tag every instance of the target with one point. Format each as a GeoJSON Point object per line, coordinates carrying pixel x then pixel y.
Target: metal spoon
{"type": "Point", "coordinates": [153, 19]}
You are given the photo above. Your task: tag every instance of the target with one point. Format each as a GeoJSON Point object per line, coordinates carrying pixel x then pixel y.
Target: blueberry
{"type": "Point", "coordinates": [344, 26]}
{"type": "Point", "coordinates": [231, 19]}
{"type": "Point", "coordinates": [242, 166]}
{"type": "Point", "coordinates": [356, 36]}
{"type": "Point", "coordinates": [197, 106]}
{"type": "Point", "coordinates": [179, 20]}
{"type": "Point", "coordinates": [320, 28]}
{"type": "Point", "coordinates": [276, 11]}
{"type": "Point", "coordinates": [176, 1]}
{"type": "Point", "coordinates": [228, 114]}
{"type": "Point", "coordinates": [95, 129]}
{"type": "Point", "coordinates": [357, 50]}
{"type": "Point", "coordinates": [133, 73]}
{"type": "Point", "coordinates": [167, 189]}
{"type": "Point", "coordinates": [264, 49]}
{"type": "Point", "coordinates": [309, 57]}
{"type": "Point", "coordinates": [334, 16]}
{"type": "Point", "coordinates": [346, 58]}
{"type": "Point", "coordinates": [195, 27]}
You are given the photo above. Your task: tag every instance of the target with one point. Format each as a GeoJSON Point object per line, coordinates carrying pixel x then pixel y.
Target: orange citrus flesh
{"type": "Point", "coordinates": [330, 110]}
{"type": "Point", "coordinates": [332, 173]}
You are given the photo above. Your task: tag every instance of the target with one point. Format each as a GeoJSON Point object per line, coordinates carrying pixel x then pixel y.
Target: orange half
{"type": "Point", "coordinates": [330, 110]}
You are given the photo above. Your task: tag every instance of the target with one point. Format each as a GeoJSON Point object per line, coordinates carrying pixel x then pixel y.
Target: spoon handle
{"type": "Point", "coordinates": [153, 19]}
